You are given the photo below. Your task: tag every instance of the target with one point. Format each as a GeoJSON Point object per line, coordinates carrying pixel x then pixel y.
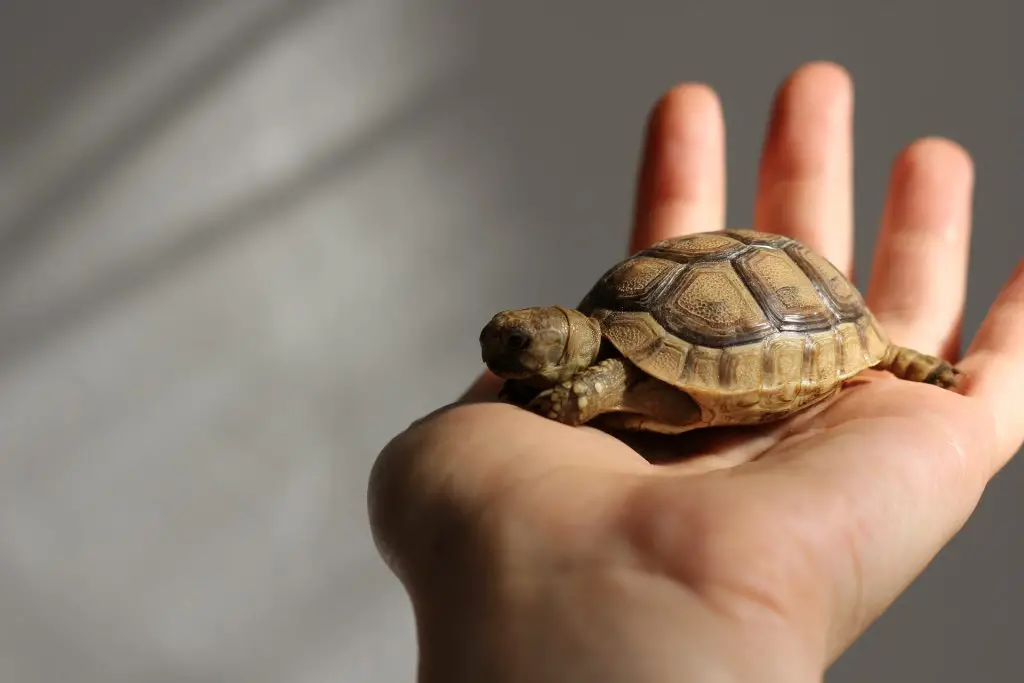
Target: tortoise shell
{"type": "Point", "coordinates": [751, 322]}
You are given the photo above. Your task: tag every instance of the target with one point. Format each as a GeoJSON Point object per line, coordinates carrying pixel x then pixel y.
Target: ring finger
{"type": "Point", "coordinates": [919, 278]}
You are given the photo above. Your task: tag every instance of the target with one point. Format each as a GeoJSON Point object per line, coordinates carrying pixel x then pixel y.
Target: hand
{"type": "Point", "coordinates": [538, 552]}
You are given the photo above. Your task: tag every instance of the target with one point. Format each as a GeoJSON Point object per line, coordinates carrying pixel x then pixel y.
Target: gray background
{"type": "Point", "coordinates": [244, 243]}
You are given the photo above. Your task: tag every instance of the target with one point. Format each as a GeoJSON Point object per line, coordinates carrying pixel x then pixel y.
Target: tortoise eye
{"type": "Point", "coordinates": [517, 341]}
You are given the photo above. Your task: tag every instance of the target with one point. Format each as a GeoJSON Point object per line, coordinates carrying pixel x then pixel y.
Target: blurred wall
{"type": "Point", "coordinates": [244, 243]}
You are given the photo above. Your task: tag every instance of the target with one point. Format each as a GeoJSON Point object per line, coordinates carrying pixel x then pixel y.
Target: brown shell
{"type": "Point", "coordinates": [744, 320]}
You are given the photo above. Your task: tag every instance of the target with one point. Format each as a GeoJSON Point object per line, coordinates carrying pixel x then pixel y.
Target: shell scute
{"type": "Point", "coordinates": [742, 320]}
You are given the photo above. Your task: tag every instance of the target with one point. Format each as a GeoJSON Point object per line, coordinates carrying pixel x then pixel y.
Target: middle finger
{"type": "Point", "coordinates": [805, 180]}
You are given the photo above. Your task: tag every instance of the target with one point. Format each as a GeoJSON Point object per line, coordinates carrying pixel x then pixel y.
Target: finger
{"type": "Point", "coordinates": [805, 177]}
{"type": "Point", "coordinates": [994, 366]}
{"type": "Point", "coordinates": [681, 188]}
{"type": "Point", "coordinates": [681, 185]}
{"type": "Point", "coordinates": [919, 279]}
{"type": "Point", "coordinates": [463, 463]}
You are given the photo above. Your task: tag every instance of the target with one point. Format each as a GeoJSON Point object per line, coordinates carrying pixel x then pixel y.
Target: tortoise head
{"type": "Point", "coordinates": [550, 343]}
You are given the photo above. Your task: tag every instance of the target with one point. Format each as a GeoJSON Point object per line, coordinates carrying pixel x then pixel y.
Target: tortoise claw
{"type": "Point", "coordinates": [947, 377]}
{"type": "Point", "coordinates": [558, 403]}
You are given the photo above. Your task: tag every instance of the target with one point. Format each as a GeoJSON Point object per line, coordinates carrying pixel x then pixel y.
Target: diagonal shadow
{"type": "Point", "coordinates": [27, 335]}
{"type": "Point", "coordinates": [35, 225]}
{"type": "Point", "coordinates": [43, 62]}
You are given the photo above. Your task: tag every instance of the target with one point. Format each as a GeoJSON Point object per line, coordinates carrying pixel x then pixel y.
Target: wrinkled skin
{"type": "Point", "coordinates": [538, 552]}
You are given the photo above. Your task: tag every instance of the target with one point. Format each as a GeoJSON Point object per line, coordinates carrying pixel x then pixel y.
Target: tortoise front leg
{"type": "Point", "coordinates": [597, 389]}
{"type": "Point", "coordinates": [615, 385]}
{"type": "Point", "coordinates": [915, 366]}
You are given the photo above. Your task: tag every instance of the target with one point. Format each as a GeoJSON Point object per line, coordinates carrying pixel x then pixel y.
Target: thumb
{"type": "Point", "coordinates": [441, 492]}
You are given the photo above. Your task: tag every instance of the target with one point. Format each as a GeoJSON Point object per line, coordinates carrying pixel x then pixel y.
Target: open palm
{"type": "Point", "coordinates": [814, 524]}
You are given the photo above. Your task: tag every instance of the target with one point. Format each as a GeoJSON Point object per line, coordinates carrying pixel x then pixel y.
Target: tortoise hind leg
{"type": "Point", "coordinates": [915, 366]}
{"type": "Point", "coordinates": [620, 391]}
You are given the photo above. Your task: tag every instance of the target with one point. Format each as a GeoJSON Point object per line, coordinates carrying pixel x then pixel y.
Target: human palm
{"type": "Point", "coordinates": [786, 539]}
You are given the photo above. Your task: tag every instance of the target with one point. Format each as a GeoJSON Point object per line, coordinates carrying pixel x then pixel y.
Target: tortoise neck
{"type": "Point", "coordinates": [583, 341]}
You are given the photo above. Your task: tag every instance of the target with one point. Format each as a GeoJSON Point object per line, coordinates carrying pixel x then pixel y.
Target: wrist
{"type": "Point", "coordinates": [605, 623]}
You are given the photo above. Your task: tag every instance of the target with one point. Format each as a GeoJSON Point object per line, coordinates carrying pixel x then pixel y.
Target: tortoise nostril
{"type": "Point", "coordinates": [490, 332]}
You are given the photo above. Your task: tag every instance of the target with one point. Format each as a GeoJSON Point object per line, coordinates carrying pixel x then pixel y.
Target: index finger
{"type": "Point", "coordinates": [681, 185]}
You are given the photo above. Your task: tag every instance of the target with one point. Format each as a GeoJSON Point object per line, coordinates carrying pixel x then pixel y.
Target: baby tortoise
{"type": "Point", "coordinates": [718, 328]}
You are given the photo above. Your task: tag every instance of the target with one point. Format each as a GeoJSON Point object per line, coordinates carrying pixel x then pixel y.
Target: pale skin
{"type": "Point", "coordinates": [535, 551]}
